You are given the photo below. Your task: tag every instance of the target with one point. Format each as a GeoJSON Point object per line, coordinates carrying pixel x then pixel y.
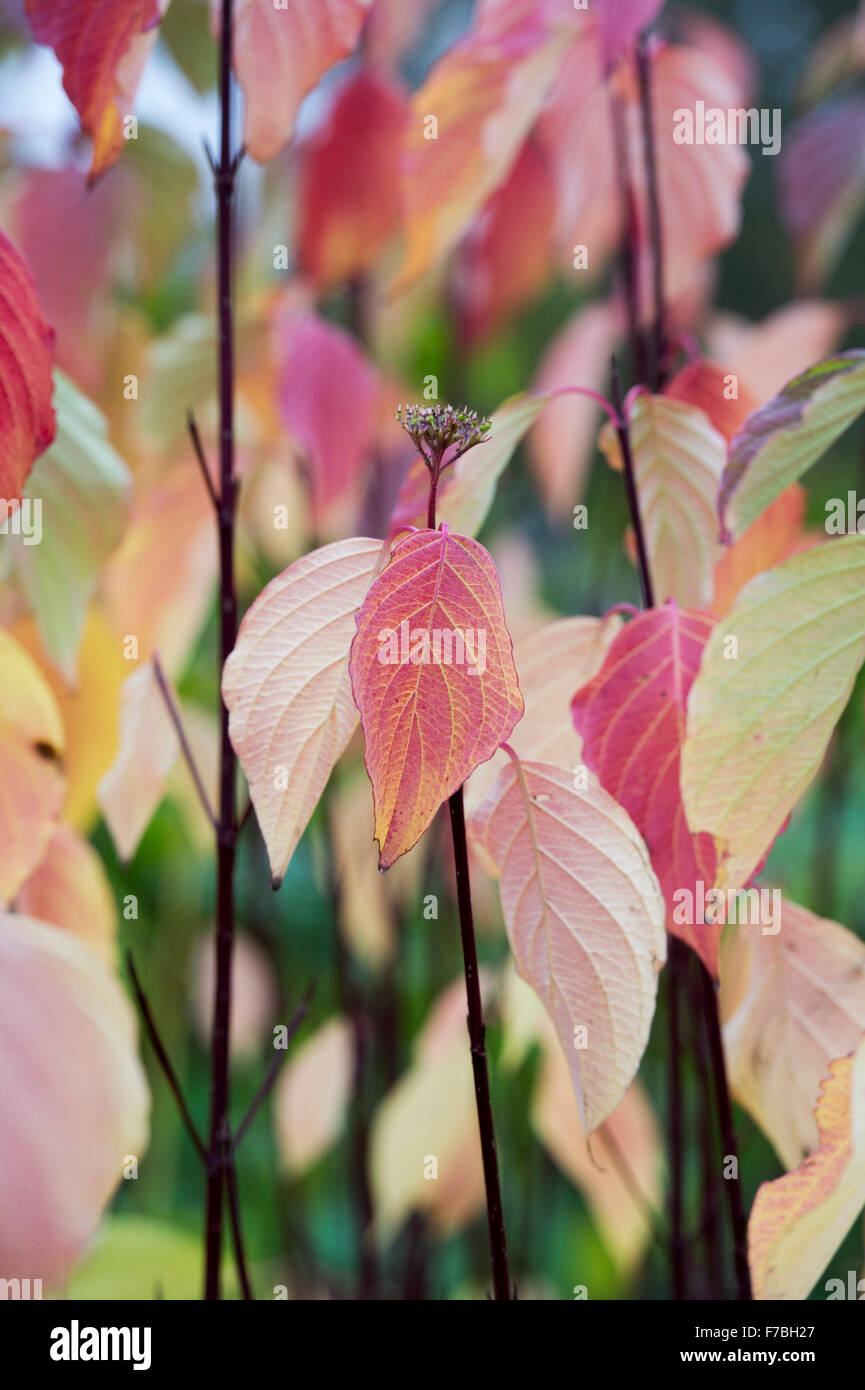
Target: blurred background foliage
{"type": "Point", "coordinates": [302, 1228]}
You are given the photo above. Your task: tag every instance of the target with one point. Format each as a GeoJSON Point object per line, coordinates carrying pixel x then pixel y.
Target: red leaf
{"type": "Point", "coordinates": [631, 717]}
{"type": "Point", "coordinates": [103, 46]}
{"type": "Point", "coordinates": [349, 184]}
{"type": "Point", "coordinates": [433, 675]}
{"type": "Point", "coordinates": [505, 259]}
{"type": "Point", "coordinates": [27, 424]}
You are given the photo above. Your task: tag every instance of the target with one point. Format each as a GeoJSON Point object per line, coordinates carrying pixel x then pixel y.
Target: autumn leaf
{"type": "Point", "coordinates": [430, 1113]}
{"type": "Point", "coordinates": [798, 1221]}
{"type": "Point", "coordinates": [433, 676]}
{"type": "Point", "coordinates": [759, 723]}
{"type": "Point", "coordinates": [328, 396]}
{"type": "Point", "coordinates": [103, 48]}
{"type": "Point", "coordinates": [505, 259]}
{"type": "Point", "coordinates": [287, 686]}
{"type": "Point", "coordinates": [777, 533]}
{"type": "Point", "coordinates": [621, 22]}
{"type": "Point", "coordinates": [132, 788]}
{"type": "Point", "coordinates": [349, 186]}
{"type": "Point", "coordinates": [822, 185]}
{"type": "Point", "coordinates": [88, 710]}
{"type": "Point", "coordinates": [767, 354]}
{"type": "Point", "coordinates": [484, 95]}
{"type": "Point", "coordinates": [550, 661]}
{"type": "Point", "coordinates": [70, 889]}
{"type": "Point", "coordinates": [26, 350]}
{"type": "Point", "coordinates": [81, 487]}
{"type": "Point", "coordinates": [678, 458]}
{"type": "Point", "coordinates": [792, 1000]}
{"type": "Point", "coordinates": [312, 1095]}
{"type": "Point", "coordinates": [279, 56]}
{"type": "Point", "coordinates": [631, 718]}
{"type": "Point", "coordinates": [32, 784]}
{"type": "Point", "coordinates": [718, 393]}
{"type": "Point", "coordinates": [585, 920]}
{"type": "Point", "coordinates": [782, 439]}
{"type": "Point", "coordinates": [76, 1079]}
{"type": "Point", "coordinates": [560, 445]}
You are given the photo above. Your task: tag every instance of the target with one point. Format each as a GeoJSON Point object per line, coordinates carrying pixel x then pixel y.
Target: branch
{"type": "Point", "coordinates": [237, 1233]}
{"type": "Point", "coordinates": [631, 489]}
{"type": "Point", "coordinates": [174, 715]}
{"type": "Point", "coordinates": [273, 1070]}
{"type": "Point", "coordinates": [164, 1060]}
{"type": "Point", "coordinates": [202, 460]}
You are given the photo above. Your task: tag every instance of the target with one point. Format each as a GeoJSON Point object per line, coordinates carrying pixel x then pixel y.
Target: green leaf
{"type": "Point", "coordinates": [759, 720]}
{"type": "Point", "coordinates": [782, 439]}
{"type": "Point", "coordinates": [133, 1257]}
{"type": "Point", "coordinates": [83, 486]}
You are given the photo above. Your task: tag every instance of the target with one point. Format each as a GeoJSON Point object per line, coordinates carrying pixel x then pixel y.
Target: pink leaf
{"type": "Point", "coordinates": [27, 424]}
{"type": "Point", "coordinates": [433, 676]}
{"type": "Point", "coordinates": [279, 56]}
{"type": "Point", "coordinates": [621, 23]}
{"type": "Point", "coordinates": [328, 394]}
{"type": "Point", "coordinates": [585, 919]}
{"type": "Point", "coordinates": [73, 1105]}
{"type": "Point", "coordinates": [631, 717]}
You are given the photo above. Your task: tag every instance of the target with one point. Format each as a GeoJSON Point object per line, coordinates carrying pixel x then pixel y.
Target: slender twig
{"type": "Point", "coordinates": [477, 1030]}
{"type": "Point", "coordinates": [164, 1060]}
{"type": "Point", "coordinates": [631, 489]}
{"type": "Point", "coordinates": [174, 715]}
{"type": "Point", "coordinates": [477, 1044]}
{"type": "Point", "coordinates": [237, 1233]}
{"type": "Point", "coordinates": [728, 1136]}
{"type": "Point", "coordinates": [710, 1231]}
{"type": "Point", "coordinates": [198, 449]}
{"type": "Point", "coordinates": [273, 1070]}
{"type": "Point", "coordinates": [628, 250]}
{"type": "Point", "coordinates": [675, 993]}
{"type": "Point", "coordinates": [644, 75]}
{"type": "Point", "coordinates": [224, 177]}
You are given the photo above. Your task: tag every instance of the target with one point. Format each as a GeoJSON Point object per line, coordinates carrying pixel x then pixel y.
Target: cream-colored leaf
{"type": "Point", "coordinates": [286, 684]}
{"type": "Point", "coordinates": [312, 1095]}
{"type": "Point", "coordinates": [801, 1004]}
{"type": "Point", "coordinates": [585, 919]}
{"type": "Point", "coordinates": [798, 1221]}
{"type": "Point", "coordinates": [134, 785]}
{"type": "Point", "coordinates": [73, 1100]}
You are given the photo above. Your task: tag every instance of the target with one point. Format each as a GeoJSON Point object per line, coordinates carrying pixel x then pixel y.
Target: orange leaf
{"type": "Point", "coordinates": [31, 778]}
{"type": "Point", "coordinates": [432, 671]}
{"type": "Point", "coordinates": [798, 1221]}
{"type": "Point", "coordinates": [70, 889]}
{"type": "Point", "coordinates": [103, 47]}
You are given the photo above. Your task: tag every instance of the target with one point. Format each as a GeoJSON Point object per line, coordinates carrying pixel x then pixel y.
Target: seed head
{"type": "Point", "coordinates": [436, 428]}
